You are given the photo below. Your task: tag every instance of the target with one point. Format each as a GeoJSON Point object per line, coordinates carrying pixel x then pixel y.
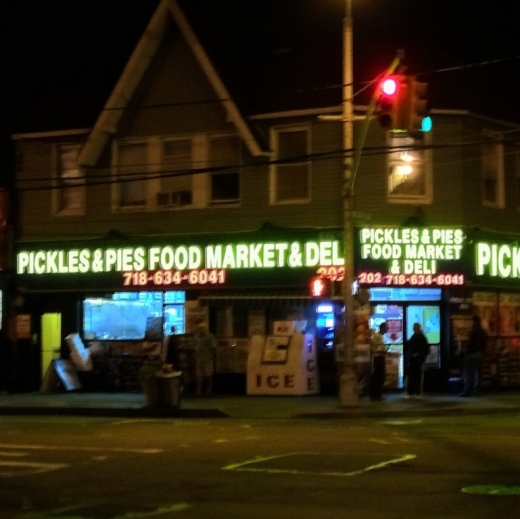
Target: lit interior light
{"type": "Point", "coordinates": [404, 170]}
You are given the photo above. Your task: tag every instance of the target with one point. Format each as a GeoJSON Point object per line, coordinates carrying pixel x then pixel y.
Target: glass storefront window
{"type": "Point", "coordinates": [124, 316]}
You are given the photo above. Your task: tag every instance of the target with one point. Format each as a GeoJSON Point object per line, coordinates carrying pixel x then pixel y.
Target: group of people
{"type": "Point", "coordinates": [416, 350]}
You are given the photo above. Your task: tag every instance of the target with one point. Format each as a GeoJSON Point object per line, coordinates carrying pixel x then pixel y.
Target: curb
{"type": "Point", "coordinates": [186, 413]}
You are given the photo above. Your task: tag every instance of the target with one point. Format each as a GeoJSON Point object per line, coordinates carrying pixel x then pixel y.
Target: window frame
{"type": "Point", "coordinates": [116, 184]}
{"type": "Point", "coordinates": [161, 168]}
{"type": "Point", "coordinates": [274, 167]}
{"type": "Point", "coordinates": [494, 139]}
{"type": "Point", "coordinates": [517, 179]}
{"type": "Point", "coordinates": [425, 139]}
{"type": "Point", "coordinates": [237, 167]}
{"type": "Point", "coordinates": [58, 208]}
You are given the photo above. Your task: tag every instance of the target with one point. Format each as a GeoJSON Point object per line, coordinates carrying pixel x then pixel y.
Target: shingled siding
{"type": "Point", "coordinates": [505, 219]}
{"type": "Point", "coordinates": [37, 221]}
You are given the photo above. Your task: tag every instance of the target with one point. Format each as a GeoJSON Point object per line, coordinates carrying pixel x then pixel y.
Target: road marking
{"type": "Point", "coordinates": [492, 490]}
{"type": "Point", "coordinates": [37, 468]}
{"type": "Point", "coordinates": [69, 510]}
{"type": "Point", "coordinates": [402, 422]}
{"type": "Point", "coordinates": [14, 454]}
{"type": "Point", "coordinates": [245, 465]}
{"type": "Point", "coordinates": [76, 448]}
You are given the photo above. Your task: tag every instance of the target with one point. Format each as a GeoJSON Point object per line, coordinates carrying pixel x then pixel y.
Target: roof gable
{"type": "Point", "coordinates": [136, 68]}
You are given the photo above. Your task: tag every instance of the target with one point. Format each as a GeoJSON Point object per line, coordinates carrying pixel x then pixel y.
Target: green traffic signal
{"type": "Point", "coordinates": [426, 124]}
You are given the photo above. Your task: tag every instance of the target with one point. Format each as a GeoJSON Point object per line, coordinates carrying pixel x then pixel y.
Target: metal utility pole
{"type": "Point", "coordinates": [348, 391]}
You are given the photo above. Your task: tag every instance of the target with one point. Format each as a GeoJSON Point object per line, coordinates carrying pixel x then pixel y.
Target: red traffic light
{"type": "Point", "coordinates": [391, 102]}
{"type": "Point", "coordinates": [389, 86]}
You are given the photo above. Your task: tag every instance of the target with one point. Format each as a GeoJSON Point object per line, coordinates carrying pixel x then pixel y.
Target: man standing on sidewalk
{"type": "Point", "coordinates": [418, 349]}
{"type": "Point", "coordinates": [378, 363]}
{"type": "Point", "coordinates": [475, 348]}
{"type": "Point", "coordinates": [204, 360]}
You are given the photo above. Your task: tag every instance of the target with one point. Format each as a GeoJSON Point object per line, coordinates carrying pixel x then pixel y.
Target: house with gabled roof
{"type": "Point", "coordinates": [181, 186]}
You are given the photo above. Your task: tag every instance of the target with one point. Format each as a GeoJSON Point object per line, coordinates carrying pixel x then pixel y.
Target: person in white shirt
{"type": "Point", "coordinates": [377, 347]}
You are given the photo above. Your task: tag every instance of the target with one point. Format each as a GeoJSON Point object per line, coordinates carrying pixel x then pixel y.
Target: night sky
{"type": "Point", "coordinates": [63, 57]}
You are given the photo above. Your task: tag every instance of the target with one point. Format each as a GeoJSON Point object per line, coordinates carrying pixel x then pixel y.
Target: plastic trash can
{"type": "Point", "coordinates": [170, 388]}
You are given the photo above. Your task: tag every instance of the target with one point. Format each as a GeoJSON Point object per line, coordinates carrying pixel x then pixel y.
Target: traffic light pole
{"type": "Point", "coordinates": [348, 390]}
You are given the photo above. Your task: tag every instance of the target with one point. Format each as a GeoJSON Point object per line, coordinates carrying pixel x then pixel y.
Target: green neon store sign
{"type": "Point", "coordinates": [262, 255]}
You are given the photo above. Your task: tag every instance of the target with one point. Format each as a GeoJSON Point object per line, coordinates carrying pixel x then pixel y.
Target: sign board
{"type": "Point", "coordinates": [410, 256]}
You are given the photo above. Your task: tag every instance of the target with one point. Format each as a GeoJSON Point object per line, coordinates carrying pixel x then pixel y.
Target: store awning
{"type": "Point", "coordinates": [262, 297]}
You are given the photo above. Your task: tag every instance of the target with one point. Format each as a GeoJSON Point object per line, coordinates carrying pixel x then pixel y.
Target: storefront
{"type": "Point", "coordinates": [439, 278]}
{"type": "Point", "coordinates": [123, 296]}
{"type": "Point", "coordinates": [492, 293]}
{"type": "Point", "coordinates": [408, 273]}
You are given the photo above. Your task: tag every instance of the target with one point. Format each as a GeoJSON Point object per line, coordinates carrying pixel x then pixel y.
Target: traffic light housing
{"type": "Point", "coordinates": [418, 104]}
{"type": "Point", "coordinates": [391, 102]}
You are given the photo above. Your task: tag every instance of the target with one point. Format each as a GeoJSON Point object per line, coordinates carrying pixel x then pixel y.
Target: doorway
{"type": "Point", "coordinates": [400, 318]}
{"type": "Point", "coordinates": [50, 340]}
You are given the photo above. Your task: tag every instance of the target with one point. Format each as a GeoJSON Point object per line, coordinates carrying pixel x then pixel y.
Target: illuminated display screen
{"type": "Point", "coordinates": [410, 256]}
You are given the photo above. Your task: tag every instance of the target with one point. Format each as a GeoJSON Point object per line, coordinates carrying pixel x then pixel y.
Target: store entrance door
{"type": "Point", "coordinates": [400, 319]}
{"type": "Point", "coordinates": [429, 317]}
{"type": "Point", "coordinates": [393, 315]}
{"type": "Point", "coordinates": [50, 340]}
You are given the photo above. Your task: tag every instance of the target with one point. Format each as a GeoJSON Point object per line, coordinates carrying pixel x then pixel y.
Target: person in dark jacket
{"type": "Point", "coordinates": [418, 349]}
{"type": "Point", "coordinates": [473, 354]}
{"type": "Point", "coordinates": [172, 352]}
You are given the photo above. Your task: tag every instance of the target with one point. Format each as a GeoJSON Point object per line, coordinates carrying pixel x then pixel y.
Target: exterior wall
{"type": "Point", "coordinates": [476, 214]}
{"type": "Point", "coordinates": [457, 197]}
{"type": "Point", "coordinates": [162, 89]}
{"type": "Point", "coordinates": [167, 103]}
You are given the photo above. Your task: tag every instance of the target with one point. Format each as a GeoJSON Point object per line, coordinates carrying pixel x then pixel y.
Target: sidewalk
{"type": "Point", "coordinates": [132, 405]}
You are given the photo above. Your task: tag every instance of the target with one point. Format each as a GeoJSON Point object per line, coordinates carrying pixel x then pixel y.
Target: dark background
{"type": "Point", "coordinates": [61, 58]}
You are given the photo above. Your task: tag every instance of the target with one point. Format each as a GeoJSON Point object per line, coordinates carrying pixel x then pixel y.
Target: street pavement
{"type": "Point", "coordinates": [78, 403]}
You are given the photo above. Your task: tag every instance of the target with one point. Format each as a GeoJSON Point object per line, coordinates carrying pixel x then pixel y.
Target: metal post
{"type": "Point", "coordinates": [348, 391]}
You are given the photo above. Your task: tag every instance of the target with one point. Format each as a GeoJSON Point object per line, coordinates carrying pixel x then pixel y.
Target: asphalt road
{"type": "Point", "coordinates": [100, 468]}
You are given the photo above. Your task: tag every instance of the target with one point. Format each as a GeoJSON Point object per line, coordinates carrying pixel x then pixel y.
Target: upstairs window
{"type": "Point", "coordinates": [517, 180]}
{"type": "Point", "coordinates": [176, 181]}
{"type": "Point", "coordinates": [69, 198]}
{"type": "Point", "coordinates": [290, 175]}
{"type": "Point", "coordinates": [409, 171]}
{"type": "Point", "coordinates": [224, 162]}
{"type": "Point", "coordinates": [493, 173]}
{"type": "Point", "coordinates": [131, 168]}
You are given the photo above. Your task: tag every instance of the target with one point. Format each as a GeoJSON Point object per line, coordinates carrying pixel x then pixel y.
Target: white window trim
{"type": "Point", "coordinates": [114, 177]}
{"type": "Point", "coordinates": [500, 200]}
{"type": "Point", "coordinates": [57, 189]}
{"type": "Point", "coordinates": [158, 159]}
{"type": "Point", "coordinates": [427, 198]}
{"type": "Point", "coordinates": [201, 182]}
{"type": "Point", "coordinates": [517, 180]}
{"type": "Point", "coordinates": [224, 204]}
{"type": "Point", "coordinates": [273, 138]}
